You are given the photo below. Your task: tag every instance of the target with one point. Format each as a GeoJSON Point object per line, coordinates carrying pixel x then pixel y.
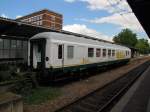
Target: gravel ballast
{"type": "Point", "coordinates": [75, 90]}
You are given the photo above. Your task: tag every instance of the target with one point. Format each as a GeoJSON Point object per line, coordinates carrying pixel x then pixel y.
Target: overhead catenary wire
{"type": "Point", "coordinates": [118, 10]}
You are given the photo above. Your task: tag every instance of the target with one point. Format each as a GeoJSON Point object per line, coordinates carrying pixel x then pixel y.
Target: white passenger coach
{"type": "Point", "coordinates": [54, 50]}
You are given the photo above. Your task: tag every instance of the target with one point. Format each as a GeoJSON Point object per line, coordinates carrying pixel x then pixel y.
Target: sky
{"type": "Point", "coordinates": [97, 18]}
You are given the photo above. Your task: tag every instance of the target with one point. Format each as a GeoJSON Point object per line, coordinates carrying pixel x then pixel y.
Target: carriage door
{"type": "Point", "coordinates": [61, 55]}
{"type": "Point", "coordinates": [37, 58]}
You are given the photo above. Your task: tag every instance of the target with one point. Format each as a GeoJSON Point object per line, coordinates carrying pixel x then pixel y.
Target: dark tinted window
{"type": "Point", "coordinates": [104, 52]}
{"type": "Point", "coordinates": [59, 51]}
{"type": "Point", "coordinates": [13, 44]}
{"type": "Point", "coordinates": [1, 43]}
{"type": "Point", "coordinates": [98, 52]}
{"type": "Point", "coordinates": [13, 49]}
{"type": "Point", "coordinates": [19, 44]}
{"type": "Point", "coordinates": [109, 53]}
{"type": "Point", "coordinates": [6, 44]}
{"type": "Point", "coordinates": [1, 53]}
{"type": "Point", "coordinates": [90, 52]}
{"type": "Point", "coordinates": [113, 52]}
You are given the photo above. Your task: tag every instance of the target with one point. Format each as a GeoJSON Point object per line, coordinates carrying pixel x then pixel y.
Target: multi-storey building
{"type": "Point", "coordinates": [45, 18]}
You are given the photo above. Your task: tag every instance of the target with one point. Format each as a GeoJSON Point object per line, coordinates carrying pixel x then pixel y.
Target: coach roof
{"type": "Point", "coordinates": [76, 39]}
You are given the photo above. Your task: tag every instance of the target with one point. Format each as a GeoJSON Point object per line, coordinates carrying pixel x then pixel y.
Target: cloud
{"type": "Point", "coordinates": [83, 29]}
{"type": "Point", "coordinates": [70, 1]}
{"type": "Point", "coordinates": [111, 6]}
{"type": "Point", "coordinates": [120, 13]}
{"type": "Point", "coordinates": [4, 16]}
{"type": "Point", "coordinates": [18, 16]}
{"type": "Point", "coordinates": [123, 21]}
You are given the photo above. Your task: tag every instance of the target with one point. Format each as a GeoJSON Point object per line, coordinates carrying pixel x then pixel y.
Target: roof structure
{"type": "Point", "coordinates": [141, 9]}
{"type": "Point", "coordinates": [15, 28]}
{"type": "Point", "coordinates": [9, 27]}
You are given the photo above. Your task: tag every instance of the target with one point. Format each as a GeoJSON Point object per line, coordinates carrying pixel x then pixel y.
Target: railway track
{"type": "Point", "coordinates": [103, 99]}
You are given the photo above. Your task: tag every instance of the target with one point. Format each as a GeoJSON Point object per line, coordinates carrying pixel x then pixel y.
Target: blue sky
{"type": "Point", "coordinates": [91, 17]}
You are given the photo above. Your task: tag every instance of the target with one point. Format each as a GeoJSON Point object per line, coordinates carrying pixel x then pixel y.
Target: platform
{"type": "Point", "coordinates": [137, 99]}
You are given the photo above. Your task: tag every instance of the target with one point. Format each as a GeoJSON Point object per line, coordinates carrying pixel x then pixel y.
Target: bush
{"type": "Point", "coordinates": [26, 82]}
{"type": "Point", "coordinates": [5, 75]}
{"type": "Point", "coordinates": [42, 94]}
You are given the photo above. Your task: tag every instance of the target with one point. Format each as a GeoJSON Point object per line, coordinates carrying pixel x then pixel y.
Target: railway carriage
{"type": "Point", "coordinates": [53, 51]}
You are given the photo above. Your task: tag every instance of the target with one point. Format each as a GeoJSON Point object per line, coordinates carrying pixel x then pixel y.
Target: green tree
{"type": "Point", "coordinates": [126, 37]}
{"type": "Point", "coordinates": [143, 46]}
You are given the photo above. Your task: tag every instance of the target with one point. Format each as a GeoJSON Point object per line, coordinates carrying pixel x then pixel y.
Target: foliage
{"type": "Point", "coordinates": [41, 95]}
{"type": "Point", "coordinates": [5, 75]}
{"type": "Point", "coordinates": [25, 83]}
{"type": "Point", "coordinates": [143, 46]}
{"type": "Point", "coordinates": [126, 37]}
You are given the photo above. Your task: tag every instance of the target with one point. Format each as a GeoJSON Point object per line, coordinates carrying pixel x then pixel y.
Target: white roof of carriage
{"type": "Point", "coordinates": [55, 36]}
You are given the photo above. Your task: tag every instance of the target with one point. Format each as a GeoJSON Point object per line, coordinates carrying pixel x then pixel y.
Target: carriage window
{"type": "Point", "coordinates": [126, 53]}
{"type": "Point", "coordinates": [59, 51]}
{"type": "Point", "coordinates": [109, 53]}
{"type": "Point", "coordinates": [113, 53]}
{"type": "Point", "coordinates": [104, 52]}
{"type": "Point", "coordinates": [98, 52]}
{"type": "Point", "coordinates": [90, 52]}
{"type": "Point", "coordinates": [70, 52]}
{"type": "Point", "coordinates": [1, 48]}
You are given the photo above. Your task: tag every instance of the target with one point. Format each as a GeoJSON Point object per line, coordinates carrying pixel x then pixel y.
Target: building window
{"type": "Point", "coordinates": [113, 53]}
{"type": "Point", "coordinates": [1, 48]}
{"type": "Point", "coordinates": [25, 49]}
{"type": "Point", "coordinates": [40, 22]}
{"type": "Point", "coordinates": [109, 53]}
{"type": "Point", "coordinates": [53, 25]}
{"type": "Point", "coordinates": [37, 23]}
{"type": "Point", "coordinates": [6, 44]}
{"type": "Point", "coordinates": [13, 44]}
{"type": "Point", "coordinates": [13, 49]}
{"type": "Point", "coordinates": [29, 20]}
{"type": "Point", "coordinates": [33, 19]}
{"type": "Point", "coordinates": [53, 18]}
{"type": "Point", "coordinates": [1, 43]}
{"type": "Point", "coordinates": [1, 53]}
{"type": "Point", "coordinates": [19, 49]}
{"type": "Point", "coordinates": [60, 48]}
{"type": "Point", "coordinates": [70, 52]}
{"type": "Point", "coordinates": [104, 52]}
{"type": "Point", "coordinates": [19, 44]}
{"type": "Point", "coordinates": [90, 52]}
{"type": "Point", "coordinates": [6, 53]}
{"type": "Point", "coordinates": [98, 52]}
{"type": "Point", "coordinates": [40, 17]}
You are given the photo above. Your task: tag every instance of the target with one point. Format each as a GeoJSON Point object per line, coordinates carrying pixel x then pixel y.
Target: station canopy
{"type": "Point", "coordinates": [9, 27]}
{"type": "Point", "coordinates": [17, 29]}
{"type": "Point", "coordinates": [141, 9]}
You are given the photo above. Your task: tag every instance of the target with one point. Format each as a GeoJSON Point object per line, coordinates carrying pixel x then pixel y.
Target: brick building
{"type": "Point", "coordinates": [45, 18]}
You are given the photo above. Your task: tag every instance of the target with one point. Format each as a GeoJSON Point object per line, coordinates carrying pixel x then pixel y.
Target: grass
{"type": "Point", "coordinates": [41, 95]}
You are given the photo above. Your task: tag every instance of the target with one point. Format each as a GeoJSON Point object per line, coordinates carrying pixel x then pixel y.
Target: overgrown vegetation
{"type": "Point", "coordinates": [41, 95]}
{"type": "Point", "coordinates": [128, 38]}
{"type": "Point", "coordinates": [26, 84]}
{"type": "Point", "coordinates": [9, 72]}
{"type": "Point", "coordinates": [143, 46]}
